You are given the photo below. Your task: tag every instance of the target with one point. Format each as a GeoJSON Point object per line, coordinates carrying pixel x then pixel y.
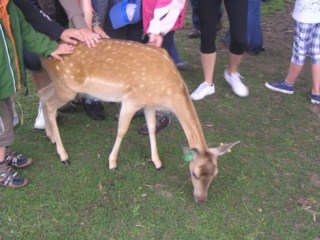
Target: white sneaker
{"type": "Point", "coordinates": [202, 91]}
{"type": "Point", "coordinates": [237, 86]}
{"type": "Point", "coordinates": [39, 122]}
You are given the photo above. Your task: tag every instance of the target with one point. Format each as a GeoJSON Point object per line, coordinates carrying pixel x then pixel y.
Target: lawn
{"type": "Point", "coordinates": [267, 187]}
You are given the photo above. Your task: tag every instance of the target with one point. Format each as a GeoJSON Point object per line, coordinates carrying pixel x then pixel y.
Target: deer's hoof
{"type": "Point", "coordinates": [66, 162]}
{"type": "Point", "coordinates": [160, 168]}
{"type": "Point", "coordinates": [113, 169]}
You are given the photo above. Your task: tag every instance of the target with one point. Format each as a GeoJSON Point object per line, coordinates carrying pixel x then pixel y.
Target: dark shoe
{"type": "Point", "coordinates": [10, 178]}
{"type": "Point", "coordinates": [195, 33]}
{"type": "Point", "coordinates": [161, 122]}
{"type": "Point", "coordinates": [183, 65]}
{"type": "Point", "coordinates": [280, 86]}
{"type": "Point", "coordinates": [95, 110]}
{"type": "Point", "coordinates": [139, 113]}
{"type": "Point", "coordinates": [69, 107]}
{"type": "Point", "coordinates": [16, 160]}
{"type": "Point", "coordinates": [315, 99]}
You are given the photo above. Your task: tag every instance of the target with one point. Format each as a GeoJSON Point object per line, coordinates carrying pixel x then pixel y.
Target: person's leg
{"type": "Point", "coordinates": [293, 73]}
{"type": "Point", "coordinates": [175, 54]}
{"type": "Point", "coordinates": [195, 32]}
{"type": "Point", "coordinates": [299, 53]}
{"type": "Point", "coordinates": [8, 177]}
{"type": "Point", "coordinates": [237, 14]}
{"type": "Point", "coordinates": [208, 13]}
{"type": "Point", "coordinates": [102, 10]}
{"type": "Point", "coordinates": [314, 52]}
{"type": "Point", "coordinates": [316, 79]}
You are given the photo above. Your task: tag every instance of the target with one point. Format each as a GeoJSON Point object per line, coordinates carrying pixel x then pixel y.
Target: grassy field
{"type": "Point", "coordinates": [267, 187]}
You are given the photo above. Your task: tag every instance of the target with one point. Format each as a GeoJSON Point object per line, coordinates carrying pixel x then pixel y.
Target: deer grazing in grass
{"type": "Point", "coordinates": [138, 76]}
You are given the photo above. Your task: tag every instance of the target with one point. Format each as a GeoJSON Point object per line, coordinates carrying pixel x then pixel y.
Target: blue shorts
{"type": "Point", "coordinates": [306, 43]}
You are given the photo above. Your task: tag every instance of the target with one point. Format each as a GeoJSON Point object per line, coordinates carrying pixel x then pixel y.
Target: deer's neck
{"type": "Point", "coordinates": [190, 123]}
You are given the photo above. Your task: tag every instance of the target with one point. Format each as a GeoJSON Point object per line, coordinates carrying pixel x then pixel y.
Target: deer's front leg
{"type": "Point", "coordinates": [150, 115]}
{"type": "Point", "coordinates": [126, 113]}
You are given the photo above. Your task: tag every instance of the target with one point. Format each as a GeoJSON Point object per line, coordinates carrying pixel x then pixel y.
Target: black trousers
{"type": "Point", "coordinates": [237, 11]}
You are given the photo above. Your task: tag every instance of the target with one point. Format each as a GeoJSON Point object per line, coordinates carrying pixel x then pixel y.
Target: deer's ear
{"type": "Point", "coordinates": [223, 148]}
{"type": "Point", "coordinates": [189, 154]}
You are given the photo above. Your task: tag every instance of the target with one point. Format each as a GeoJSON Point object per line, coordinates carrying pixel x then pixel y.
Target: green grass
{"type": "Point", "coordinates": [258, 193]}
{"type": "Point", "coordinates": [273, 6]}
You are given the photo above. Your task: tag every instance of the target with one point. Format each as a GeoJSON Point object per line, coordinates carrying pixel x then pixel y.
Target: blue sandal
{"type": "Point", "coordinates": [16, 160]}
{"type": "Point", "coordinates": [10, 178]}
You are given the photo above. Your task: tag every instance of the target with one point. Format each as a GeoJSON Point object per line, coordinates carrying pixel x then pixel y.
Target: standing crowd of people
{"type": "Point", "coordinates": [29, 28]}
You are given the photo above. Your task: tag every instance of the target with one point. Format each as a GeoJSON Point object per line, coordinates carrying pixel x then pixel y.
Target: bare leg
{"type": "Point", "coordinates": [208, 63]}
{"type": "Point", "coordinates": [2, 153]}
{"type": "Point", "coordinates": [293, 73]}
{"type": "Point", "coordinates": [234, 62]}
{"type": "Point", "coordinates": [315, 79]}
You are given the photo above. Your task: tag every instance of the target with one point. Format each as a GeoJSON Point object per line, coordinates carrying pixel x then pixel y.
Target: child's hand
{"type": "Point", "coordinates": [98, 30]}
{"type": "Point", "coordinates": [71, 36]}
{"type": "Point", "coordinates": [155, 40]}
{"type": "Point", "coordinates": [90, 38]}
{"type": "Point", "coordinates": [61, 50]}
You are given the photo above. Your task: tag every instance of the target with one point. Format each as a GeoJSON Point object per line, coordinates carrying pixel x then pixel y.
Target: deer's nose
{"type": "Point", "coordinates": [200, 199]}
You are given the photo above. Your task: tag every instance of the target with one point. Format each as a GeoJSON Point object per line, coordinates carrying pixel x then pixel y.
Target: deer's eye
{"type": "Point", "coordinates": [195, 176]}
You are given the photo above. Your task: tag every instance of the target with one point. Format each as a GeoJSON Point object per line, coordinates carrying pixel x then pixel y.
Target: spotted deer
{"type": "Point", "coordinates": [138, 76]}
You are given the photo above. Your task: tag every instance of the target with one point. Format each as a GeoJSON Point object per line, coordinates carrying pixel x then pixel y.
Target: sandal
{"type": "Point", "coordinates": [161, 122]}
{"type": "Point", "coordinates": [16, 160]}
{"type": "Point", "coordinates": [10, 178]}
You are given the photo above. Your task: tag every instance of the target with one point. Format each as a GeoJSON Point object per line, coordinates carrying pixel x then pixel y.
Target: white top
{"type": "Point", "coordinates": [307, 11]}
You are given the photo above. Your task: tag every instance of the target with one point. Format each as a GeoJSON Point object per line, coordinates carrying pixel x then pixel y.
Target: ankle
{"type": "Point", "coordinates": [289, 84]}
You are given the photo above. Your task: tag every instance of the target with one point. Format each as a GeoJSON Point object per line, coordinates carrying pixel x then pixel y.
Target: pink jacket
{"type": "Point", "coordinates": [163, 16]}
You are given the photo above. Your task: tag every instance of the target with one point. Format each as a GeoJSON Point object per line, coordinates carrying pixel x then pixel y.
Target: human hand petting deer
{"type": "Point", "coordinates": [155, 39]}
{"type": "Point", "coordinates": [62, 49]}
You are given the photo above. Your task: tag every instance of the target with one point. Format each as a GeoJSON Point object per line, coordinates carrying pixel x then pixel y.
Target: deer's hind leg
{"type": "Point", "coordinates": [51, 101]}
{"type": "Point", "coordinates": [126, 113]}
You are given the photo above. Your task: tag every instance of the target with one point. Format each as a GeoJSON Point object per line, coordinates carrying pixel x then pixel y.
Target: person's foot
{"type": "Point", "coordinates": [69, 107]}
{"type": "Point", "coordinates": [10, 178]}
{"type": "Point", "coordinates": [315, 99]}
{"type": "Point", "coordinates": [182, 65]}
{"type": "Point", "coordinates": [95, 110]}
{"type": "Point", "coordinates": [194, 33]}
{"type": "Point", "coordinates": [237, 86]}
{"type": "Point", "coordinates": [39, 123]}
{"type": "Point", "coordinates": [280, 86]}
{"type": "Point", "coordinates": [202, 91]}
{"type": "Point", "coordinates": [16, 160]}
{"type": "Point", "coordinates": [162, 121]}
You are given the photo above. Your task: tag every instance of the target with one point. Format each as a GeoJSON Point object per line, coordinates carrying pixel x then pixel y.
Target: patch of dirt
{"type": "Point", "coordinates": [315, 180]}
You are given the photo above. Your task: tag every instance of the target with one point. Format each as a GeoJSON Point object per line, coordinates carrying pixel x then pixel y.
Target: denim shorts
{"type": "Point", "coordinates": [6, 122]}
{"type": "Point", "coordinates": [306, 43]}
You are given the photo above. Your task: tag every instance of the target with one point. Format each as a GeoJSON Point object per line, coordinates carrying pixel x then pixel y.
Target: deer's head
{"type": "Point", "coordinates": [204, 168]}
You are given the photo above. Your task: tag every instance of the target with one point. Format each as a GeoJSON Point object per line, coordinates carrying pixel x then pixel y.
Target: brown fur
{"type": "Point", "coordinates": [138, 76]}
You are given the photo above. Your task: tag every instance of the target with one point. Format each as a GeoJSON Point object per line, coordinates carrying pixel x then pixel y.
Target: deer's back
{"type": "Point", "coordinates": [121, 67]}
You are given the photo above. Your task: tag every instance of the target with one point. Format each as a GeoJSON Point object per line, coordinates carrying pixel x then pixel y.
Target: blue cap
{"type": "Point", "coordinates": [118, 14]}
